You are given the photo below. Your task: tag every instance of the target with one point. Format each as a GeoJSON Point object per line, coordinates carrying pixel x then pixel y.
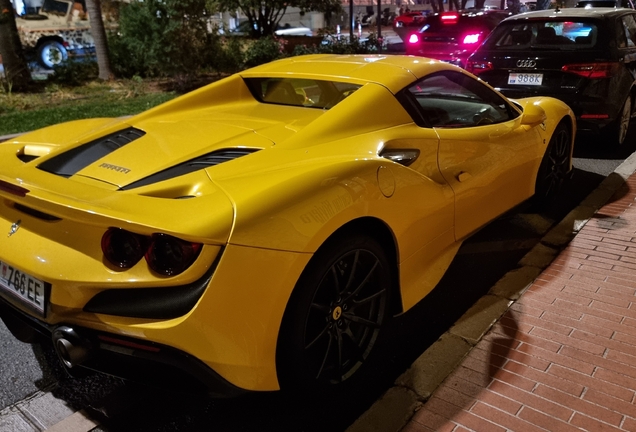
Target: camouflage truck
{"type": "Point", "coordinates": [59, 29]}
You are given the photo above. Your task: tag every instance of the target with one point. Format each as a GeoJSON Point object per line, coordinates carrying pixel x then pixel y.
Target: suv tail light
{"type": "Point", "coordinates": [592, 70]}
{"type": "Point", "coordinates": [477, 67]}
{"type": "Point", "coordinates": [165, 254]}
{"type": "Point", "coordinates": [413, 38]}
{"type": "Point", "coordinates": [471, 39]}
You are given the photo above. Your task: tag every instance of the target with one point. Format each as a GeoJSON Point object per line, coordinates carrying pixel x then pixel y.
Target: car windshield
{"type": "Point", "coordinates": [565, 35]}
{"type": "Point", "coordinates": [300, 92]}
{"type": "Point", "coordinates": [55, 7]}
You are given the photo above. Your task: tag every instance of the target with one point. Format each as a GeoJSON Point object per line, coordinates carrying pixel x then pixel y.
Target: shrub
{"type": "Point", "coordinates": [74, 72]}
{"type": "Point", "coordinates": [264, 50]}
{"type": "Point", "coordinates": [160, 38]}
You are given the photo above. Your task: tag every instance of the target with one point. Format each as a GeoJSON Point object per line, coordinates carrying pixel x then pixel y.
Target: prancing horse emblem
{"type": "Point", "coordinates": [14, 228]}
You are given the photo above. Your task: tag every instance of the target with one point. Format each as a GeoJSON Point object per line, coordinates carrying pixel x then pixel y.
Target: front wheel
{"type": "Point", "coordinates": [52, 53]}
{"type": "Point", "coordinates": [335, 314]}
{"type": "Point", "coordinates": [554, 168]}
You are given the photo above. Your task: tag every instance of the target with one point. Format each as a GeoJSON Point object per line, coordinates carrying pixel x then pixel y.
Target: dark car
{"type": "Point", "coordinates": [589, 4]}
{"type": "Point", "coordinates": [585, 57]}
{"type": "Point", "coordinates": [452, 36]}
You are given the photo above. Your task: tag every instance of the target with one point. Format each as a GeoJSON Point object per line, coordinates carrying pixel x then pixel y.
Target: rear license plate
{"type": "Point", "coordinates": [23, 287]}
{"type": "Point", "coordinates": [525, 78]}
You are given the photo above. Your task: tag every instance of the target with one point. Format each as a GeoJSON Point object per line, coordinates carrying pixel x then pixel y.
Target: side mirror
{"type": "Point", "coordinates": [533, 115]}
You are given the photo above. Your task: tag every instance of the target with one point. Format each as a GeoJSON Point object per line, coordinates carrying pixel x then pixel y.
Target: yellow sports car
{"type": "Point", "coordinates": [256, 233]}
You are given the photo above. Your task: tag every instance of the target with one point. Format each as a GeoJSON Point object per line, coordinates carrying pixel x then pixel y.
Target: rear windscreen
{"type": "Point", "coordinates": [300, 92]}
{"type": "Point", "coordinates": [569, 35]}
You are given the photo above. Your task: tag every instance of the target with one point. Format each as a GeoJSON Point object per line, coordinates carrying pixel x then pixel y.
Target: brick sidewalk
{"type": "Point", "coordinates": [563, 357]}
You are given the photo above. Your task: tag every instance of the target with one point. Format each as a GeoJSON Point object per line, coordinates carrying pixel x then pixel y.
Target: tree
{"type": "Point", "coordinates": [16, 71]}
{"type": "Point", "coordinates": [264, 16]}
{"type": "Point", "coordinates": [94, 9]}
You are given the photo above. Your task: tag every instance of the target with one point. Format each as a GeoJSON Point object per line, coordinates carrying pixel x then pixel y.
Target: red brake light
{"type": "Point", "coordinates": [413, 39]}
{"type": "Point", "coordinates": [470, 39]}
{"type": "Point", "coordinates": [477, 67]}
{"type": "Point", "coordinates": [165, 254]}
{"type": "Point", "coordinates": [123, 248]}
{"type": "Point", "coordinates": [169, 255]}
{"type": "Point", "coordinates": [449, 18]}
{"type": "Point", "coordinates": [592, 70]}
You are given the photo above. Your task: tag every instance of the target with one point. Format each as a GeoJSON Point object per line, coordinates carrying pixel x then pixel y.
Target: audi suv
{"type": "Point", "coordinates": [585, 57]}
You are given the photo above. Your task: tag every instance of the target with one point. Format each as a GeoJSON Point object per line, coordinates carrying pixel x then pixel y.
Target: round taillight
{"type": "Point", "coordinates": [413, 38]}
{"type": "Point", "coordinates": [123, 248]}
{"type": "Point", "coordinates": [169, 255]}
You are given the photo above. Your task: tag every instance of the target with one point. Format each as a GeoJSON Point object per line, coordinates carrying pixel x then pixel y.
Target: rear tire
{"type": "Point", "coordinates": [617, 130]}
{"type": "Point", "coordinates": [554, 168]}
{"type": "Point", "coordinates": [335, 314]}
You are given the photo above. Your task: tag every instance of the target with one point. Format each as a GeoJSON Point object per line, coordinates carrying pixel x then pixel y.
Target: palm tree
{"type": "Point", "coordinates": [16, 72]}
{"type": "Point", "coordinates": [94, 8]}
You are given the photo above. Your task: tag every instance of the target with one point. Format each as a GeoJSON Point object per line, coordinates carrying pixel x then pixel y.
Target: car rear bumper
{"type": "Point", "coordinates": [138, 360]}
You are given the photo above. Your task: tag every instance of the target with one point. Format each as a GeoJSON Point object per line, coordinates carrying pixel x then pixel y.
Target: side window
{"type": "Point", "coordinates": [629, 27]}
{"type": "Point", "coordinates": [451, 99]}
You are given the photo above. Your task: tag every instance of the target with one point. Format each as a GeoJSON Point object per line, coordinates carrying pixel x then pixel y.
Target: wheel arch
{"type": "Point", "coordinates": [45, 39]}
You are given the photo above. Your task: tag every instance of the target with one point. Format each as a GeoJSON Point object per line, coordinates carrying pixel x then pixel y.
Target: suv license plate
{"type": "Point", "coordinates": [25, 288]}
{"type": "Point", "coordinates": [525, 79]}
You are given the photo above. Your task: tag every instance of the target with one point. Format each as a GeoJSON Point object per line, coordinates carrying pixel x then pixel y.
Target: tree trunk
{"type": "Point", "coordinates": [16, 71]}
{"type": "Point", "coordinates": [98, 32]}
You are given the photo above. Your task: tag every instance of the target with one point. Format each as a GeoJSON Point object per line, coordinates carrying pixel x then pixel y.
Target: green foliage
{"type": "Point", "coordinates": [74, 73]}
{"type": "Point", "coordinates": [341, 46]}
{"type": "Point", "coordinates": [229, 55]}
{"type": "Point", "coordinates": [160, 38]}
{"type": "Point", "coordinates": [264, 50]}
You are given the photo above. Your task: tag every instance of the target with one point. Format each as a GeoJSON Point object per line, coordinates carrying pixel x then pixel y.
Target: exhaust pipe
{"type": "Point", "coordinates": [71, 348]}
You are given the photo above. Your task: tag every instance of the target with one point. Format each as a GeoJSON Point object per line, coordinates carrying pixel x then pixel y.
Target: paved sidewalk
{"type": "Point", "coordinates": [552, 347]}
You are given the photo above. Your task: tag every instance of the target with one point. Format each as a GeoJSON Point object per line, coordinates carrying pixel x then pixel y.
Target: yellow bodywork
{"type": "Point", "coordinates": [265, 214]}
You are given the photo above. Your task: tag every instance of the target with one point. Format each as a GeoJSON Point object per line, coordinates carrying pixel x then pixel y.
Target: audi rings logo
{"type": "Point", "coordinates": [526, 63]}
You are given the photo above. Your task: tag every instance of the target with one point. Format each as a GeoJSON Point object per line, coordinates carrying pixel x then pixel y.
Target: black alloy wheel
{"type": "Point", "coordinates": [554, 167]}
{"type": "Point", "coordinates": [335, 314]}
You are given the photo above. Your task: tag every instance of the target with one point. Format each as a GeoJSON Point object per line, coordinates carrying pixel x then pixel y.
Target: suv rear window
{"type": "Point", "coordinates": [449, 26]}
{"type": "Point", "coordinates": [569, 35]}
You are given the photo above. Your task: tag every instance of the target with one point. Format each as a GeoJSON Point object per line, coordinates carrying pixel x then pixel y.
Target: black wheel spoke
{"type": "Point", "coordinates": [364, 281]}
{"type": "Point", "coordinates": [320, 334]}
{"type": "Point", "coordinates": [324, 358]}
{"type": "Point", "coordinates": [365, 300]}
{"type": "Point", "coordinates": [320, 308]}
{"type": "Point", "coordinates": [363, 321]}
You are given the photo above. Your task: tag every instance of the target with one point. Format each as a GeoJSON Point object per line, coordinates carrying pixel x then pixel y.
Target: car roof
{"type": "Point", "coordinates": [392, 71]}
{"type": "Point", "coordinates": [569, 13]}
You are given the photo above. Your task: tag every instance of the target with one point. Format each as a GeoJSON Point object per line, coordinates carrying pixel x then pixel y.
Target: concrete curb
{"type": "Point", "coordinates": [413, 388]}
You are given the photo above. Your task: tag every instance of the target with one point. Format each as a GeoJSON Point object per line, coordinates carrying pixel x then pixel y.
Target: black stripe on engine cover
{"type": "Point", "coordinates": [74, 160]}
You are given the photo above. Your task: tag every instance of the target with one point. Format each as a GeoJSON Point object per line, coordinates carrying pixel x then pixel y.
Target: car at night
{"type": "Point", "coordinates": [257, 233]}
{"type": "Point", "coordinates": [452, 36]}
{"type": "Point", "coordinates": [409, 21]}
{"type": "Point", "coordinates": [581, 56]}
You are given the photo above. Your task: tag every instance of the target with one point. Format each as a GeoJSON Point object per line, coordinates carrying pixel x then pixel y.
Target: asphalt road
{"type": "Point", "coordinates": [480, 263]}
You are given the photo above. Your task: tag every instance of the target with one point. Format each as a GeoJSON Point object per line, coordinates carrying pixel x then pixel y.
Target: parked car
{"type": "Point", "coordinates": [256, 233]}
{"type": "Point", "coordinates": [452, 36]}
{"type": "Point", "coordinates": [243, 29]}
{"type": "Point", "coordinates": [585, 57]}
{"type": "Point", "coordinates": [58, 30]}
{"type": "Point", "coordinates": [588, 4]}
